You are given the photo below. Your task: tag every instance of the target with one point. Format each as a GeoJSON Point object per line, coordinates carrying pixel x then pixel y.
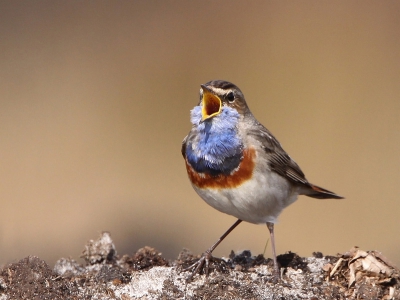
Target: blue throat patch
{"type": "Point", "coordinates": [217, 148]}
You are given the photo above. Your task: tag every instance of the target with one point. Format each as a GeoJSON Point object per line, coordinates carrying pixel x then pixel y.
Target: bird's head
{"type": "Point", "coordinates": [217, 96]}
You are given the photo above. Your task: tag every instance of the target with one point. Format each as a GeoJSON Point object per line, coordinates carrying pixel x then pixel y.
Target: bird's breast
{"type": "Point", "coordinates": [242, 173]}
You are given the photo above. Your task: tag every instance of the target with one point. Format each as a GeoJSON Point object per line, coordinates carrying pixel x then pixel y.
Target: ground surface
{"type": "Point", "coordinates": [357, 274]}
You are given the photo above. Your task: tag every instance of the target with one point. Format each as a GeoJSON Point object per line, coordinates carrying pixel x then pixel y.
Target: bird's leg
{"type": "Point", "coordinates": [271, 233]}
{"type": "Point", "coordinates": [206, 257]}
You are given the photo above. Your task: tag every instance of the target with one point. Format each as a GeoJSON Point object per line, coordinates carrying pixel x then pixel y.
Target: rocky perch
{"type": "Point", "coordinates": [356, 274]}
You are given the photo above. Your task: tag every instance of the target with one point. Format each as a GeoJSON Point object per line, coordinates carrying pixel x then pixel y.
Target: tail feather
{"type": "Point", "coordinates": [320, 193]}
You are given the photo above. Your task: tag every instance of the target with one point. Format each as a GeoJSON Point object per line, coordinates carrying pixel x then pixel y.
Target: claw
{"type": "Point", "coordinates": [207, 257]}
{"type": "Point", "coordinates": [198, 265]}
{"type": "Point", "coordinates": [202, 265]}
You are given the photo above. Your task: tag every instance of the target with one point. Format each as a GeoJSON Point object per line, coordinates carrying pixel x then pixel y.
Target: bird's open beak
{"type": "Point", "coordinates": [211, 104]}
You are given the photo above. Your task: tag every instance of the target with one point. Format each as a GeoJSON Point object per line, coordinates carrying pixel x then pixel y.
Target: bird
{"type": "Point", "coordinates": [238, 167]}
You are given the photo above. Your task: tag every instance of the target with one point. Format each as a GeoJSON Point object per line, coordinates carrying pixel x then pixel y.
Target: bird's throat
{"type": "Point", "coordinates": [217, 147]}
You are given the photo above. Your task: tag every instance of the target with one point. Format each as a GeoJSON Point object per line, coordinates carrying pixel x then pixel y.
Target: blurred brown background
{"type": "Point", "coordinates": [95, 100]}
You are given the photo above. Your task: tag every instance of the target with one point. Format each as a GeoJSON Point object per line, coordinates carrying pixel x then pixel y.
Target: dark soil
{"type": "Point", "coordinates": [146, 274]}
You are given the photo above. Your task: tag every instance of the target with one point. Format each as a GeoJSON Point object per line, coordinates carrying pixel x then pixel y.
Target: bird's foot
{"type": "Point", "coordinates": [276, 276]}
{"type": "Point", "coordinates": [202, 265]}
{"type": "Point", "coordinates": [277, 272]}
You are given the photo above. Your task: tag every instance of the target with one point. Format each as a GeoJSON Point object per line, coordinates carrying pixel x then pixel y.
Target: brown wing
{"type": "Point", "coordinates": [279, 160]}
{"type": "Point", "coordinates": [284, 165]}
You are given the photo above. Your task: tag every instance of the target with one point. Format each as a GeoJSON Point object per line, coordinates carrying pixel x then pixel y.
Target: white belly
{"type": "Point", "coordinates": [258, 200]}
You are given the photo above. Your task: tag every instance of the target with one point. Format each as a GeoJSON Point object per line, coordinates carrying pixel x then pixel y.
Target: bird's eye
{"type": "Point", "coordinates": [230, 96]}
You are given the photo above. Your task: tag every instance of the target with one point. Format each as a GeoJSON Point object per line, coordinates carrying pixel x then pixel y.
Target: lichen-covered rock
{"type": "Point", "coordinates": [147, 275]}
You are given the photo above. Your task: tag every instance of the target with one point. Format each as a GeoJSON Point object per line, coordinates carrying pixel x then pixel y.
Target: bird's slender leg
{"type": "Point", "coordinates": [271, 233]}
{"type": "Point", "coordinates": [206, 257]}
